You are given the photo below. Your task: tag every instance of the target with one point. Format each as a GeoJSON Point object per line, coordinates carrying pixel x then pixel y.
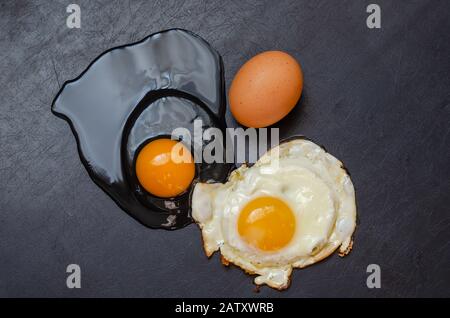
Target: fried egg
{"type": "Point", "coordinates": [292, 208]}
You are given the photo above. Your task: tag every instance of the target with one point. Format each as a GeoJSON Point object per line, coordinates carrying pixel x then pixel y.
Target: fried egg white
{"type": "Point", "coordinates": [315, 189]}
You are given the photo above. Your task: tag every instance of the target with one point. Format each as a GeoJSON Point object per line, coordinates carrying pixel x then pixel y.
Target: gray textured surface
{"type": "Point", "coordinates": [377, 99]}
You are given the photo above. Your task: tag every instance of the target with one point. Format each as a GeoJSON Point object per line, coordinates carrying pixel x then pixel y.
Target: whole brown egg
{"type": "Point", "coordinates": [265, 89]}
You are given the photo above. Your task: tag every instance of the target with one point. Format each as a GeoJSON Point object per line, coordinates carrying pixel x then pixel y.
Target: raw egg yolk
{"type": "Point", "coordinates": [266, 223]}
{"type": "Point", "coordinates": [165, 168]}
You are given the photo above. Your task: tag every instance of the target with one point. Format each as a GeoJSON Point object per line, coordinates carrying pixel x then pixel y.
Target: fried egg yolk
{"type": "Point", "coordinates": [266, 223]}
{"type": "Point", "coordinates": [165, 168]}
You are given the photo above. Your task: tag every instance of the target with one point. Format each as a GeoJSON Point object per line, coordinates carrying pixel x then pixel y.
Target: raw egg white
{"type": "Point", "coordinates": [293, 208]}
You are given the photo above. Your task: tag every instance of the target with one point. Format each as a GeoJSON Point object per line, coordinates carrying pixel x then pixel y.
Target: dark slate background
{"type": "Point", "coordinates": [377, 99]}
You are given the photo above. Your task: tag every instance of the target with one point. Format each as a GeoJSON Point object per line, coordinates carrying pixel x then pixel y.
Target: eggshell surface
{"type": "Point", "coordinates": [265, 89]}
